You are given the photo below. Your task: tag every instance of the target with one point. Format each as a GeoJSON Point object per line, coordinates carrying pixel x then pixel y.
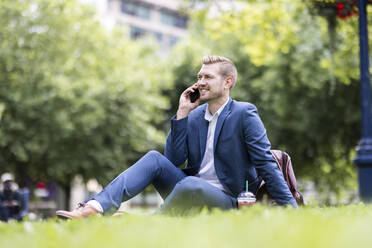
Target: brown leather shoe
{"type": "Point", "coordinates": [119, 213]}
{"type": "Point", "coordinates": [82, 211]}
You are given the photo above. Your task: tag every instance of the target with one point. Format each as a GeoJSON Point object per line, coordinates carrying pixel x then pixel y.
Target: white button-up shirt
{"type": "Point", "coordinates": [207, 170]}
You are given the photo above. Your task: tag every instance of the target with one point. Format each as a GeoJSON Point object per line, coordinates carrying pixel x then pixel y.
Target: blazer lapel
{"type": "Point", "coordinates": [221, 119]}
{"type": "Point", "coordinates": [203, 132]}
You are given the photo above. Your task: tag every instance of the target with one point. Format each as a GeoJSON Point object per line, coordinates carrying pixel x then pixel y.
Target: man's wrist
{"type": "Point", "coordinates": [182, 113]}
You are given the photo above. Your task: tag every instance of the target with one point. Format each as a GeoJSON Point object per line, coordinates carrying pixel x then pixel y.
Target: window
{"type": "Point", "coordinates": [158, 36]}
{"type": "Point", "coordinates": [135, 9]}
{"type": "Point", "coordinates": [173, 40]}
{"type": "Point", "coordinates": [173, 19]}
{"type": "Point", "coordinates": [136, 32]}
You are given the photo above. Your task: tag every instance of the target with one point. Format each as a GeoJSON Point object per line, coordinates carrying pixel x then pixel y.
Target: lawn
{"type": "Point", "coordinates": [258, 226]}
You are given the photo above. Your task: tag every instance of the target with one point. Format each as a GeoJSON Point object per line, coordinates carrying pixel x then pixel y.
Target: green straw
{"type": "Point", "coordinates": [246, 185]}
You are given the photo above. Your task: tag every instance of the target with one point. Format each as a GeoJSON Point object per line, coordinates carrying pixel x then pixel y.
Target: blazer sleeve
{"type": "Point", "coordinates": [258, 147]}
{"type": "Point", "coordinates": [176, 145]}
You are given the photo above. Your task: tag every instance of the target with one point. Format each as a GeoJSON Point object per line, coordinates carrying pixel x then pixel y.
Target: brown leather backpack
{"type": "Point", "coordinates": [283, 160]}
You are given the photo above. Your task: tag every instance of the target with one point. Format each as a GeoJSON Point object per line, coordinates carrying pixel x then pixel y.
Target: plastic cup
{"type": "Point", "coordinates": [246, 198]}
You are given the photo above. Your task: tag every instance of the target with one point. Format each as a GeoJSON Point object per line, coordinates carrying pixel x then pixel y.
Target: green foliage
{"type": "Point", "coordinates": [258, 226]}
{"type": "Point", "coordinates": [75, 98]}
{"type": "Point", "coordinates": [302, 76]}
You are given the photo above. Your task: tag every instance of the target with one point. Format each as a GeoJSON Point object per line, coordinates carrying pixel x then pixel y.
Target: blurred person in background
{"type": "Point", "coordinates": [225, 145]}
{"type": "Point", "coordinates": [11, 202]}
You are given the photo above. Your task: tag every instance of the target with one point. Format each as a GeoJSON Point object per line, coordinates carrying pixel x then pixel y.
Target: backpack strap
{"type": "Point", "coordinates": [284, 166]}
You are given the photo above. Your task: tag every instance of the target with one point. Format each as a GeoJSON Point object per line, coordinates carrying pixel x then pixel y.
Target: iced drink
{"type": "Point", "coordinates": [246, 198]}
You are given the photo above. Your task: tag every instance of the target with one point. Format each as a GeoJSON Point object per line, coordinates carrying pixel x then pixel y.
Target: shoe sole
{"type": "Point", "coordinates": [64, 216]}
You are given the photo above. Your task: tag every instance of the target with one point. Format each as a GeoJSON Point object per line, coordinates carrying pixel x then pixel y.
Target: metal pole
{"type": "Point", "coordinates": [363, 159]}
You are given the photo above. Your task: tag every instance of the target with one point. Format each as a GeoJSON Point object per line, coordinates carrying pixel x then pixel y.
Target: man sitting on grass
{"type": "Point", "coordinates": [11, 202]}
{"type": "Point", "coordinates": [223, 141]}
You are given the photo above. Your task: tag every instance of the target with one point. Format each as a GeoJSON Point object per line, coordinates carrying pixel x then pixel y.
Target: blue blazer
{"type": "Point", "coordinates": [241, 149]}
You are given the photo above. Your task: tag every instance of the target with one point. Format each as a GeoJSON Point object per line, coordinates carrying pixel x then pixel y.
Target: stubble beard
{"type": "Point", "coordinates": [213, 96]}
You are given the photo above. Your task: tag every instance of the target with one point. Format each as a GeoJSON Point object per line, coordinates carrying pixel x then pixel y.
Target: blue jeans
{"type": "Point", "coordinates": [181, 192]}
{"type": "Point", "coordinates": [7, 213]}
{"type": "Point", "coordinates": [3, 213]}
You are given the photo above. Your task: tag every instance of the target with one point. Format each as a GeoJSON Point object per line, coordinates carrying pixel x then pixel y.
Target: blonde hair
{"type": "Point", "coordinates": [227, 68]}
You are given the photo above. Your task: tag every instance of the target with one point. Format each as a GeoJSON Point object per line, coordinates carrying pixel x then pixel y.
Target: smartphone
{"type": "Point", "coordinates": [194, 95]}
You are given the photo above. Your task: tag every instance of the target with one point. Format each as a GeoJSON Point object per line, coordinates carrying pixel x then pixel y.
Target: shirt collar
{"type": "Point", "coordinates": [208, 116]}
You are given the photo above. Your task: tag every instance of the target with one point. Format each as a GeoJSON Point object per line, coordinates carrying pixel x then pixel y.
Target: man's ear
{"type": "Point", "coordinates": [229, 81]}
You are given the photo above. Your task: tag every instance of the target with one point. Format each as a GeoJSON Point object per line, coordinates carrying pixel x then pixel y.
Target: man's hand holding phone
{"type": "Point", "coordinates": [189, 100]}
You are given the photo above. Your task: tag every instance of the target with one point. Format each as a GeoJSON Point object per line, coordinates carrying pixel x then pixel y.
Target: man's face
{"type": "Point", "coordinates": [7, 186]}
{"type": "Point", "coordinates": [210, 82]}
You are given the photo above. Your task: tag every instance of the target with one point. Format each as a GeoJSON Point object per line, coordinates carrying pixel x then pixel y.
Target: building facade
{"type": "Point", "coordinates": [158, 18]}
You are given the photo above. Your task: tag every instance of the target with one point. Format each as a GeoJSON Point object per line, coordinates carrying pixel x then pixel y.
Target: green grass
{"type": "Point", "coordinates": [259, 226]}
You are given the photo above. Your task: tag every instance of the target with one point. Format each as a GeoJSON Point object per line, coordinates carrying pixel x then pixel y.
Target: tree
{"type": "Point", "coordinates": [75, 98]}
